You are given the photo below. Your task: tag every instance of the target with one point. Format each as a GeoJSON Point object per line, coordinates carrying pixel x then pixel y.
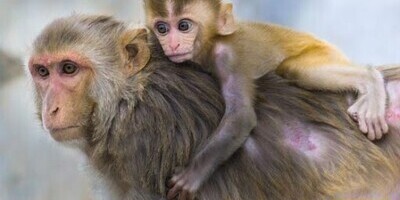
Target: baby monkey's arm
{"type": "Point", "coordinates": [324, 68]}
{"type": "Point", "coordinates": [238, 121]}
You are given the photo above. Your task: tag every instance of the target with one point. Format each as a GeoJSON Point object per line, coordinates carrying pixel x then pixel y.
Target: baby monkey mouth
{"type": "Point", "coordinates": [180, 57]}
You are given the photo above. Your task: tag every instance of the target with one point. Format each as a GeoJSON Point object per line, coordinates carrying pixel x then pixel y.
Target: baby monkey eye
{"type": "Point", "coordinates": [41, 70]}
{"type": "Point", "coordinates": [69, 67]}
{"type": "Point", "coordinates": [185, 25]}
{"type": "Point", "coordinates": [162, 28]}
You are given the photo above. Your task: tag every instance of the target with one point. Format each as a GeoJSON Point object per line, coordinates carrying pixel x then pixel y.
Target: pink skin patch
{"type": "Point", "coordinates": [393, 115]}
{"type": "Point", "coordinates": [393, 111]}
{"type": "Point", "coordinates": [300, 140]}
{"type": "Point", "coordinates": [305, 139]}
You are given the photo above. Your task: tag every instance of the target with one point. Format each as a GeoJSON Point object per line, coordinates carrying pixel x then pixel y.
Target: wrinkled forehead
{"type": "Point", "coordinates": [174, 8]}
{"type": "Point", "coordinates": [47, 59]}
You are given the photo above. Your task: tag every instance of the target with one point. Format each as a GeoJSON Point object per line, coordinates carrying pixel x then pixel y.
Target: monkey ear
{"type": "Point", "coordinates": [226, 21]}
{"type": "Point", "coordinates": [135, 49]}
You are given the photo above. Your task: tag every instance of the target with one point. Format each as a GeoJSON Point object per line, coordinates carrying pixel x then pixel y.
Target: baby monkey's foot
{"type": "Point", "coordinates": [370, 117]}
{"type": "Point", "coordinates": [369, 111]}
{"type": "Point", "coordinates": [185, 184]}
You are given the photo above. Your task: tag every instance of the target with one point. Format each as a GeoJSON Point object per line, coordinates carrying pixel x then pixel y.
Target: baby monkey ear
{"type": "Point", "coordinates": [136, 52]}
{"type": "Point", "coordinates": [226, 21]}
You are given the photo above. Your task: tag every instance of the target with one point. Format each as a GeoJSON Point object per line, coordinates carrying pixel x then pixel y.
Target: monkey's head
{"type": "Point", "coordinates": [186, 28]}
{"type": "Point", "coordinates": [79, 66]}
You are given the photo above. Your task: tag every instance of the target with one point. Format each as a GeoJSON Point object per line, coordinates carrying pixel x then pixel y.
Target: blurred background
{"type": "Point", "coordinates": [34, 167]}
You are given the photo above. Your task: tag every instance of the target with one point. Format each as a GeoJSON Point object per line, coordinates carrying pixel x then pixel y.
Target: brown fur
{"type": "Point", "coordinates": [159, 7]}
{"type": "Point", "coordinates": [148, 124]}
{"type": "Point", "coordinates": [238, 53]}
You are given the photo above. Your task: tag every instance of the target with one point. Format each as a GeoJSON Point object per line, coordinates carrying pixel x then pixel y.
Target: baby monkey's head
{"type": "Point", "coordinates": [186, 28]}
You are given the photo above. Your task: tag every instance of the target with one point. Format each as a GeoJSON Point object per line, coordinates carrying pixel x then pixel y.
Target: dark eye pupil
{"type": "Point", "coordinates": [43, 71]}
{"type": "Point", "coordinates": [162, 28]}
{"type": "Point", "coordinates": [69, 68]}
{"type": "Point", "coordinates": [184, 26]}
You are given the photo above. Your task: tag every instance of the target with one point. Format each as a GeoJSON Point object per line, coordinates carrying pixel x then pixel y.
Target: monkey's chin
{"type": "Point", "coordinates": [67, 134]}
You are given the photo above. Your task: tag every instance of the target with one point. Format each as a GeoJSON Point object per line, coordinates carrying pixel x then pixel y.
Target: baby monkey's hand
{"type": "Point", "coordinates": [369, 108]}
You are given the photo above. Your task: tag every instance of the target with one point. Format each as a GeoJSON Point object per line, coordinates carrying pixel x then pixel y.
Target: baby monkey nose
{"type": "Point", "coordinates": [175, 46]}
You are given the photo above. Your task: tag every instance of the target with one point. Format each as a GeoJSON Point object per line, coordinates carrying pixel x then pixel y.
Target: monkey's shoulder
{"type": "Point", "coordinates": [266, 40]}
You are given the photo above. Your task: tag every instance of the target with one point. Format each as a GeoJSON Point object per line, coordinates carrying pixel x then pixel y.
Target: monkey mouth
{"type": "Point", "coordinates": [180, 57]}
{"type": "Point", "coordinates": [66, 133]}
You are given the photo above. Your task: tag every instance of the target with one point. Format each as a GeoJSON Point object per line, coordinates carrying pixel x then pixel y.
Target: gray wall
{"type": "Point", "coordinates": [32, 166]}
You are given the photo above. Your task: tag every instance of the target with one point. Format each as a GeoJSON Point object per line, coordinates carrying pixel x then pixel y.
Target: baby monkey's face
{"type": "Point", "coordinates": [177, 36]}
{"type": "Point", "coordinates": [184, 29]}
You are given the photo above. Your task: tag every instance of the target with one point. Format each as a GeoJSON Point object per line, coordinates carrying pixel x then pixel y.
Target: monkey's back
{"type": "Point", "coordinates": [304, 146]}
{"type": "Point", "coordinates": [309, 141]}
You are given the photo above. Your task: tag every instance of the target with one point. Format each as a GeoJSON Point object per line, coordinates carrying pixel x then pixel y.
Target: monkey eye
{"type": "Point", "coordinates": [42, 70]}
{"type": "Point", "coordinates": [162, 28]}
{"type": "Point", "coordinates": [185, 25]}
{"type": "Point", "coordinates": [68, 67]}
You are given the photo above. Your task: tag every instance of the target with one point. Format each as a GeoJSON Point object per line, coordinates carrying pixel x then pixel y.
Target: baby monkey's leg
{"type": "Point", "coordinates": [326, 70]}
{"type": "Point", "coordinates": [238, 121]}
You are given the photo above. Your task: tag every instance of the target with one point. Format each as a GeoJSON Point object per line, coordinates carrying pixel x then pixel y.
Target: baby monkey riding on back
{"type": "Point", "coordinates": [204, 31]}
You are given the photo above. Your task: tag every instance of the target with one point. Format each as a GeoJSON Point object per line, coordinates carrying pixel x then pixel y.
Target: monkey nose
{"type": "Point", "coordinates": [54, 111]}
{"type": "Point", "coordinates": [174, 47]}
{"type": "Point", "coordinates": [50, 116]}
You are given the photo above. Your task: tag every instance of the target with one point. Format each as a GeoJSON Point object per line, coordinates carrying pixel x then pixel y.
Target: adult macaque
{"type": "Point", "coordinates": [137, 116]}
{"type": "Point", "coordinates": [204, 31]}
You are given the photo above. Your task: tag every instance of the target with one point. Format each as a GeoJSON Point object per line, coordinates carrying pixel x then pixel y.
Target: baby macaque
{"type": "Point", "coordinates": [237, 53]}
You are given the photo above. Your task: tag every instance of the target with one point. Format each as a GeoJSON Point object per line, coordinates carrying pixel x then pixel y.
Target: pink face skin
{"type": "Point", "coordinates": [177, 35]}
{"type": "Point", "coordinates": [61, 81]}
{"type": "Point", "coordinates": [177, 38]}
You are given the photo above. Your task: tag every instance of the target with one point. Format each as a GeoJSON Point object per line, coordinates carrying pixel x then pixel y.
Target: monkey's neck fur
{"type": "Point", "coordinates": [154, 106]}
